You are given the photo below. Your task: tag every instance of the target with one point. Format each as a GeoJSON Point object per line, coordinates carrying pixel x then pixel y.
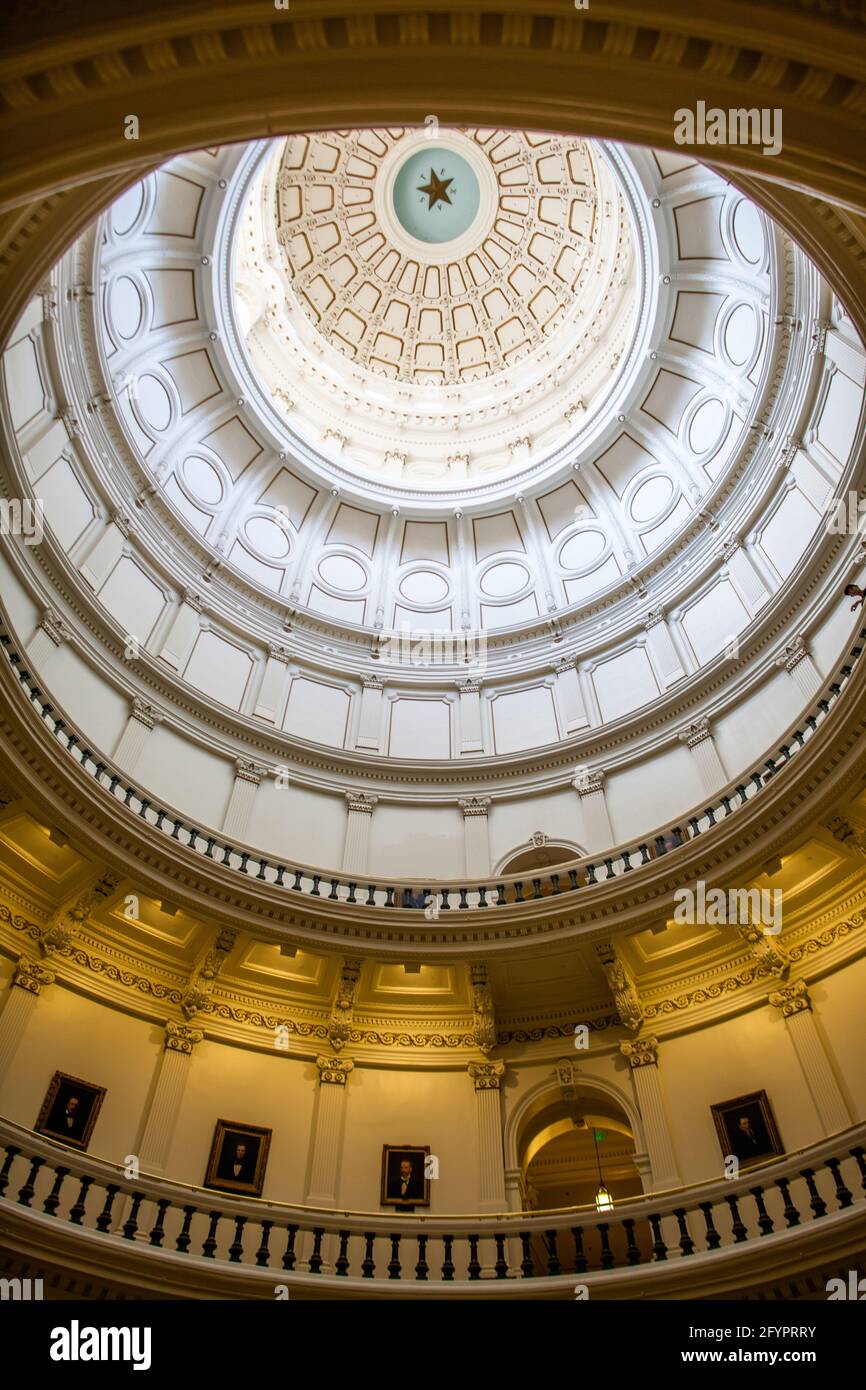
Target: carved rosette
{"type": "Point", "coordinates": [179, 1037]}
{"type": "Point", "coordinates": [640, 1052]}
{"type": "Point", "coordinates": [486, 1075]}
{"type": "Point", "coordinates": [334, 1071]}
{"type": "Point", "coordinates": [792, 999]}
{"type": "Point", "coordinates": [30, 975]}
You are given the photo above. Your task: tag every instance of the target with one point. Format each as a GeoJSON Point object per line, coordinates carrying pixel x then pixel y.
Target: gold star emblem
{"type": "Point", "coordinates": [436, 190]}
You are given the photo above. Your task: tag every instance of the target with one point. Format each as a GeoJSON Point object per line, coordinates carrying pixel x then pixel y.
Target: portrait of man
{"type": "Point", "coordinates": [404, 1177]}
{"type": "Point", "coordinates": [238, 1158]}
{"type": "Point", "coordinates": [69, 1110]}
{"type": "Point", "coordinates": [746, 1128]}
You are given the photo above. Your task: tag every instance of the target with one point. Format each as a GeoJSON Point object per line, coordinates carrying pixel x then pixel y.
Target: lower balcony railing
{"type": "Point", "coordinates": [60, 1205]}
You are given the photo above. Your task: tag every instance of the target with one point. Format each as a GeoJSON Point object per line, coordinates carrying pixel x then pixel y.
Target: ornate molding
{"type": "Point", "coordinates": [179, 1037]}
{"type": "Point", "coordinates": [588, 781]}
{"type": "Point", "coordinates": [474, 806]}
{"type": "Point", "coordinates": [468, 687]}
{"type": "Point", "coordinates": [361, 803]}
{"type": "Point", "coordinates": [334, 1071]}
{"type": "Point", "coordinates": [697, 732]}
{"type": "Point", "coordinates": [31, 975]}
{"type": "Point", "coordinates": [248, 771]}
{"type": "Point", "coordinates": [654, 617]}
{"type": "Point", "coordinates": [795, 652]}
{"type": "Point", "coordinates": [146, 714]}
{"type": "Point", "coordinates": [371, 682]}
{"type": "Point", "coordinates": [791, 999]}
{"type": "Point", "coordinates": [486, 1075]}
{"type": "Point", "coordinates": [483, 1015]}
{"type": "Point", "coordinates": [622, 987]}
{"type": "Point", "coordinates": [640, 1052]}
{"type": "Point", "coordinates": [343, 1007]}
{"type": "Point", "coordinates": [54, 627]}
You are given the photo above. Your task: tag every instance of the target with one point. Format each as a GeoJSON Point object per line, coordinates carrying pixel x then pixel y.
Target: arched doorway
{"type": "Point", "coordinates": [576, 1144]}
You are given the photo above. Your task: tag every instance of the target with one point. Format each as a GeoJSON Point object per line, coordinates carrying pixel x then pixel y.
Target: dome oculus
{"type": "Point", "coordinates": [435, 195]}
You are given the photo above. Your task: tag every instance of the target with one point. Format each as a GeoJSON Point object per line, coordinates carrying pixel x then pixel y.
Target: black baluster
{"type": "Point", "coordinates": [714, 1240]}
{"type": "Point", "coordinates": [687, 1245]}
{"type": "Point", "coordinates": [482, 896]}
{"type": "Point", "coordinates": [501, 1266]}
{"type": "Point", "coordinates": [710, 815]}
{"type": "Point", "coordinates": [694, 827]}
{"type": "Point", "coordinates": [389, 898]}
{"type": "Point", "coordinates": [554, 884]}
{"type": "Point", "coordinates": [765, 1221]}
{"type": "Point", "coordinates": [445, 906]}
{"type": "Point", "coordinates": [843, 1195]}
{"type": "Point", "coordinates": [210, 1244]}
{"type": "Point", "coordinates": [607, 1256]}
{"type": "Point", "coordinates": [315, 1262]}
{"type": "Point", "coordinates": [632, 1252]}
{"type": "Point", "coordinates": [394, 1266]}
{"type": "Point", "coordinates": [27, 1189]}
{"type": "Point", "coordinates": [157, 1235]}
{"type": "Point", "coordinates": [131, 1223]}
{"type": "Point", "coordinates": [738, 1230]}
{"type": "Point", "coordinates": [526, 1263]}
{"type": "Point", "coordinates": [314, 891]}
{"type": "Point", "coordinates": [741, 792]}
{"type": "Point", "coordinates": [371, 896]}
{"type": "Point", "coordinates": [817, 1203]}
{"type": "Point", "coordinates": [341, 1264]}
{"type": "Point", "coordinates": [183, 1241]}
{"type": "Point", "coordinates": [208, 849]}
{"type": "Point", "coordinates": [236, 1249]}
{"type": "Point", "coordinates": [536, 883]}
{"type": "Point", "coordinates": [474, 1266]}
{"type": "Point", "coordinates": [245, 859]}
{"type": "Point", "coordinates": [447, 1263]}
{"type": "Point", "coordinates": [351, 898]}
{"type": "Point", "coordinates": [859, 1155]}
{"type": "Point", "coordinates": [77, 1212]}
{"type": "Point", "coordinates": [422, 1268]}
{"type": "Point", "coordinates": [368, 1266]}
{"type": "Point", "coordinates": [297, 886]}
{"type": "Point", "coordinates": [500, 891]}
{"type": "Point", "coordinates": [590, 873]}
{"type": "Point", "coordinates": [608, 864]}
{"type": "Point", "coordinates": [626, 859]}
{"type": "Point", "coordinates": [660, 1250]}
{"type": "Point", "coordinates": [289, 1257]}
{"type": "Point", "coordinates": [278, 881]}
{"type": "Point", "coordinates": [791, 1214]}
{"type": "Point", "coordinates": [580, 1261]}
{"type": "Point", "coordinates": [644, 854]}
{"type": "Point", "coordinates": [333, 893]}
{"type": "Point", "coordinates": [52, 1201]}
{"type": "Point", "coordinates": [263, 867]}
{"type": "Point", "coordinates": [572, 879]}
{"type": "Point", "coordinates": [553, 1263]}
{"type": "Point", "coordinates": [263, 1254]}
{"type": "Point", "coordinates": [462, 903]}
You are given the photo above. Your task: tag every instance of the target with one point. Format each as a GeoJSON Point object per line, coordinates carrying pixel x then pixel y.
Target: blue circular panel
{"type": "Point", "coordinates": [436, 195]}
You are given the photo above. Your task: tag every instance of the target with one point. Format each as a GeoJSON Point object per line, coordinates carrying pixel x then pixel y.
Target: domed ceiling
{"type": "Point", "coordinates": [429, 297]}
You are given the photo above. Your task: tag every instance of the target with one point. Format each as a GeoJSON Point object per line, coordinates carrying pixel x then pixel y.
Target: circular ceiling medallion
{"type": "Point", "coordinates": [435, 195]}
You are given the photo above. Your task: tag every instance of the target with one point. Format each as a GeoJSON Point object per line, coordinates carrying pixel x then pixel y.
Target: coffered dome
{"type": "Point", "coordinates": [395, 318]}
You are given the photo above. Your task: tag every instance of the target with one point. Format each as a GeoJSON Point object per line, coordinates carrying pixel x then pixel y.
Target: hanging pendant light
{"type": "Point", "coordinates": [603, 1199]}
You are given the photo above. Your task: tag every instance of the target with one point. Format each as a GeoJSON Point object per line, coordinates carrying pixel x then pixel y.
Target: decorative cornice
{"type": "Point", "coordinates": [279, 653]}
{"type": "Point", "coordinates": [654, 617]}
{"type": "Point", "coordinates": [371, 682]}
{"type": "Point", "coordinates": [468, 687]}
{"type": "Point", "coordinates": [179, 1037]}
{"type": "Point", "coordinates": [474, 806]}
{"type": "Point", "coordinates": [334, 1071]}
{"type": "Point", "coordinates": [486, 1075]}
{"type": "Point", "coordinates": [361, 803]}
{"type": "Point", "coordinates": [791, 999]}
{"type": "Point", "coordinates": [640, 1052]}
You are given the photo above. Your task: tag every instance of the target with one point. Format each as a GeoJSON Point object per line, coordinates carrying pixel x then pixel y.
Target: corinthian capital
{"type": "Point", "coordinates": [641, 1052]}
{"type": "Point", "coordinates": [31, 976]}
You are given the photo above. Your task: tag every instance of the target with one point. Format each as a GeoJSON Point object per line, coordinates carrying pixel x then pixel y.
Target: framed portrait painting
{"type": "Point", "coordinates": [238, 1158]}
{"type": "Point", "coordinates": [746, 1128]}
{"type": "Point", "coordinates": [405, 1179]}
{"type": "Point", "coordinates": [69, 1110]}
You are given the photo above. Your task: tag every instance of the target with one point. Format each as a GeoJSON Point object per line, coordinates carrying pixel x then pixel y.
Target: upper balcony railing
{"type": "Point", "coordinates": [435, 896]}
{"type": "Point", "coordinates": [175, 1225]}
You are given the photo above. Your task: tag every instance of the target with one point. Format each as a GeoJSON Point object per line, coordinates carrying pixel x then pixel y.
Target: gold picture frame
{"type": "Point", "coordinates": [69, 1110]}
